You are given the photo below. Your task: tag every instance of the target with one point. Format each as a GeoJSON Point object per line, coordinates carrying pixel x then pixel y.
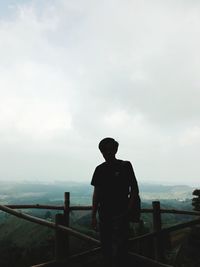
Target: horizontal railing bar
{"type": "Point", "coordinates": [49, 224]}
{"type": "Point", "coordinates": [139, 258]}
{"type": "Point", "coordinates": [180, 226]}
{"type": "Point", "coordinates": [145, 236]}
{"type": "Point", "coordinates": [80, 208]}
{"type": "Point", "coordinates": [165, 230]}
{"type": "Point", "coordinates": [74, 208]}
{"type": "Point", "coordinates": [146, 210]}
{"type": "Point", "coordinates": [79, 235]}
{"type": "Point", "coordinates": [85, 253]}
{"type": "Point", "coordinates": [183, 212]}
{"type": "Point", "coordinates": [52, 263]}
{"type": "Point", "coordinates": [10, 209]}
{"type": "Point", "coordinates": [36, 206]}
{"type": "Point", "coordinates": [142, 260]}
{"type": "Point", "coordinates": [90, 208]}
{"type": "Point", "coordinates": [71, 258]}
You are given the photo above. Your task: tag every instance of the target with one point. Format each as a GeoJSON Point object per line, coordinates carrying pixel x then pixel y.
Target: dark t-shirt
{"type": "Point", "coordinates": [113, 182]}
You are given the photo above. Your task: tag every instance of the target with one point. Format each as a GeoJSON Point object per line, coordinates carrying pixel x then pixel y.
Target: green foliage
{"type": "Point", "coordinates": [23, 243]}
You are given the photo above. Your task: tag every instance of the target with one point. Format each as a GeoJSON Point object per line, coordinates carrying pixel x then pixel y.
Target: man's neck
{"type": "Point", "coordinates": [111, 161]}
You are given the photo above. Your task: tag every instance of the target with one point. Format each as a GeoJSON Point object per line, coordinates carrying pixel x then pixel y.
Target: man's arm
{"type": "Point", "coordinates": [134, 194]}
{"type": "Point", "coordinates": [95, 204]}
{"type": "Point", "coordinates": [134, 190]}
{"type": "Point", "coordinates": [134, 208]}
{"type": "Point", "coordinates": [134, 198]}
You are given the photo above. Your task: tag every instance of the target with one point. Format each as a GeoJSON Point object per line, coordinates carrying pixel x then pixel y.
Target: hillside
{"type": "Point", "coordinates": [188, 254]}
{"type": "Point", "coordinates": [81, 192]}
{"type": "Point", "coordinates": [23, 243]}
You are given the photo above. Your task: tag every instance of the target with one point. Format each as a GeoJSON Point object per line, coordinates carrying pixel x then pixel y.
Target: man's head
{"type": "Point", "coordinates": [108, 147]}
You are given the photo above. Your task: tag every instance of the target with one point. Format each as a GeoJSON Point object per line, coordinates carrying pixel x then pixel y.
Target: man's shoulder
{"type": "Point", "coordinates": [100, 166]}
{"type": "Point", "coordinates": [120, 162]}
{"type": "Point", "coordinates": [125, 162]}
{"type": "Point", "coordinates": [127, 166]}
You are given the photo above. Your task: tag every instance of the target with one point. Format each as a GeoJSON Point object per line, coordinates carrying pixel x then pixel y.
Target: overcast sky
{"type": "Point", "coordinates": [73, 72]}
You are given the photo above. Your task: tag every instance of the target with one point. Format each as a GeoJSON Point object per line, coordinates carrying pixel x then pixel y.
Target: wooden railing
{"type": "Point", "coordinates": [62, 231]}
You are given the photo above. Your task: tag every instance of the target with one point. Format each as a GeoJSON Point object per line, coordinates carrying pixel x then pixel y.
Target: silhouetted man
{"type": "Point", "coordinates": [115, 194]}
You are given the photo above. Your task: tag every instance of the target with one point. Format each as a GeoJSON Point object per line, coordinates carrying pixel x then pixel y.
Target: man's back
{"type": "Point", "coordinates": [113, 181]}
{"type": "Point", "coordinates": [115, 187]}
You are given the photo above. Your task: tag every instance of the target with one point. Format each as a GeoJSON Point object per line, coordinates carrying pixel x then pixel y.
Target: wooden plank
{"type": "Point", "coordinates": [181, 212]}
{"type": "Point", "coordinates": [79, 208]}
{"type": "Point", "coordinates": [74, 208]}
{"type": "Point", "coordinates": [72, 258]}
{"type": "Point", "coordinates": [49, 224]}
{"type": "Point", "coordinates": [36, 206]}
{"type": "Point", "coordinates": [85, 253]}
{"type": "Point", "coordinates": [67, 218]}
{"type": "Point", "coordinates": [141, 237]}
{"type": "Point", "coordinates": [181, 226]}
{"type": "Point", "coordinates": [61, 241]}
{"type": "Point", "coordinates": [139, 260]}
{"type": "Point", "coordinates": [157, 226]}
{"type": "Point", "coordinates": [166, 230]}
{"type": "Point", "coordinates": [7, 208]}
{"type": "Point", "coordinates": [48, 264]}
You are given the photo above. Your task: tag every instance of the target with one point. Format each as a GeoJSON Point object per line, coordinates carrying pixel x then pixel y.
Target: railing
{"type": "Point", "coordinates": [61, 226]}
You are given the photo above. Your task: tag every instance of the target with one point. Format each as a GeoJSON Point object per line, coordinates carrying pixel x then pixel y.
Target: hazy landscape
{"type": "Point", "coordinates": [23, 243]}
{"type": "Point", "coordinates": [23, 192]}
{"type": "Point", "coordinates": [75, 72]}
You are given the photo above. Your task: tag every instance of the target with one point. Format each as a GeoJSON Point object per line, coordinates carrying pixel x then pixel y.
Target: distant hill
{"type": "Point", "coordinates": [156, 191]}
{"type": "Point", "coordinates": [81, 192]}
{"type": "Point", "coordinates": [23, 243]}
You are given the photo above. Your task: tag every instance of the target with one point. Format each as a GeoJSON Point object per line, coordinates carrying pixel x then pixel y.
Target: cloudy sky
{"type": "Point", "coordinates": [73, 72]}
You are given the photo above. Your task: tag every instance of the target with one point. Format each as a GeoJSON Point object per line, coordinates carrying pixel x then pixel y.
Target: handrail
{"type": "Point", "coordinates": [139, 259]}
{"type": "Point", "coordinates": [166, 230]}
{"type": "Point", "coordinates": [144, 260]}
{"type": "Point", "coordinates": [36, 206]}
{"type": "Point", "coordinates": [66, 208]}
{"type": "Point", "coordinates": [181, 212]}
{"type": "Point", "coordinates": [49, 224]}
{"type": "Point", "coordinates": [77, 234]}
{"type": "Point", "coordinates": [9, 209]}
{"type": "Point", "coordinates": [180, 226]}
{"type": "Point", "coordinates": [85, 208]}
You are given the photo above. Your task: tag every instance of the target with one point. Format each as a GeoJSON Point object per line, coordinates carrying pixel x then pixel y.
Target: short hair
{"type": "Point", "coordinates": [108, 140]}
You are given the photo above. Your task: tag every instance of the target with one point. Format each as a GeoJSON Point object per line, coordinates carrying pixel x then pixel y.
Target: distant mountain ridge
{"type": "Point", "coordinates": [148, 187]}
{"type": "Point", "coordinates": [11, 228]}
{"type": "Point", "coordinates": [152, 191]}
{"type": "Point", "coordinates": [78, 191]}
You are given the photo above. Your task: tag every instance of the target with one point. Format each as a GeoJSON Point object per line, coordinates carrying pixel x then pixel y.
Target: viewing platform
{"type": "Point", "coordinates": [146, 250]}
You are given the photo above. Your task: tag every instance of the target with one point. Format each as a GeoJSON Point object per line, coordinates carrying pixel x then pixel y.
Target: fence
{"type": "Point", "coordinates": [61, 226]}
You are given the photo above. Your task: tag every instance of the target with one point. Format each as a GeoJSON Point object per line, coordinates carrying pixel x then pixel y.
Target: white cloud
{"type": "Point", "coordinates": [74, 72]}
{"type": "Point", "coordinates": [191, 137]}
